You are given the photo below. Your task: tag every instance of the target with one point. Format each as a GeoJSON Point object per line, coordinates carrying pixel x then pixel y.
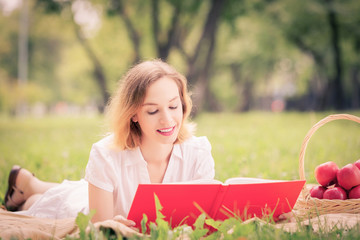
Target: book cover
{"type": "Point", "coordinates": [241, 197]}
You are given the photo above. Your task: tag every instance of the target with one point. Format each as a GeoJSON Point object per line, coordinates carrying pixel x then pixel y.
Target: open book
{"type": "Point", "coordinates": [240, 197]}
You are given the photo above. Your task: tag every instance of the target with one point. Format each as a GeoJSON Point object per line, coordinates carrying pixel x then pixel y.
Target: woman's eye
{"type": "Point", "coordinates": [153, 112]}
{"type": "Point", "coordinates": [173, 107]}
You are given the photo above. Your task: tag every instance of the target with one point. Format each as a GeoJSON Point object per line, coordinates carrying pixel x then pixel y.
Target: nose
{"type": "Point", "coordinates": [165, 117]}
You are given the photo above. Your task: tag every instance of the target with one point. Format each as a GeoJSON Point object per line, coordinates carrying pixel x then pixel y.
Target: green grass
{"type": "Point", "coordinates": [53, 148]}
{"type": "Point", "coordinates": [255, 144]}
{"type": "Point", "coordinates": [267, 145]}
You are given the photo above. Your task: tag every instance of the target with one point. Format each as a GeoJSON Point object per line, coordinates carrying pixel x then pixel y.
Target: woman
{"type": "Point", "coordinates": [151, 142]}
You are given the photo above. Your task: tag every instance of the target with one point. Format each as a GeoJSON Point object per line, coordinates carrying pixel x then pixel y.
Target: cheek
{"type": "Point", "coordinates": [179, 115]}
{"type": "Point", "coordinates": [144, 121]}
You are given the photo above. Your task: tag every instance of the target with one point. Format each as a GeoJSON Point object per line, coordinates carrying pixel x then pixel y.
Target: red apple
{"type": "Point", "coordinates": [335, 193]}
{"type": "Point", "coordinates": [355, 192]}
{"type": "Point", "coordinates": [348, 176]}
{"type": "Point", "coordinates": [357, 163]}
{"type": "Point", "coordinates": [317, 192]}
{"type": "Point", "coordinates": [325, 173]}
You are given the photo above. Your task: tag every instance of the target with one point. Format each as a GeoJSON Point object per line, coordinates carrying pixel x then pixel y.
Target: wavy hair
{"type": "Point", "coordinates": [130, 96]}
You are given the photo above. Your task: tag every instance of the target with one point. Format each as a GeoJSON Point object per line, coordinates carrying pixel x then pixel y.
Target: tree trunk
{"type": "Point", "coordinates": [323, 97]}
{"type": "Point", "coordinates": [337, 58]}
{"type": "Point", "coordinates": [23, 55]}
{"type": "Point", "coordinates": [99, 74]}
{"type": "Point", "coordinates": [200, 64]}
{"type": "Point", "coordinates": [133, 34]}
{"type": "Point", "coordinates": [244, 89]}
{"type": "Point", "coordinates": [355, 101]}
{"type": "Point", "coordinates": [164, 45]}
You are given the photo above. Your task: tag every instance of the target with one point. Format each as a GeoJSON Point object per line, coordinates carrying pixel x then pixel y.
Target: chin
{"type": "Point", "coordinates": [170, 141]}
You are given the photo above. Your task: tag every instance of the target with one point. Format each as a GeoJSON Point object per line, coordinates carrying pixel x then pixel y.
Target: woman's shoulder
{"type": "Point", "coordinates": [197, 143]}
{"type": "Point", "coordinates": [105, 150]}
{"type": "Point", "coordinates": [107, 138]}
{"type": "Point", "coordinates": [107, 146]}
{"type": "Point", "coordinates": [107, 142]}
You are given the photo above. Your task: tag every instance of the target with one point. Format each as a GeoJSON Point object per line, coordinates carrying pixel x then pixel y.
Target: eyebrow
{"type": "Point", "coordinates": [147, 104]}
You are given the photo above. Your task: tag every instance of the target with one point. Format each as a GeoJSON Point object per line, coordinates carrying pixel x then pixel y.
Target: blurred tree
{"type": "Point", "coordinates": [58, 7]}
{"type": "Point", "coordinates": [350, 22]}
{"type": "Point", "coordinates": [118, 7]}
{"type": "Point", "coordinates": [249, 49]}
{"type": "Point", "coordinates": [316, 28]}
{"type": "Point", "coordinates": [173, 23]}
{"type": "Point", "coordinates": [98, 69]}
{"type": "Point", "coordinates": [336, 82]}
{"type": "Point", "coordinates": [38, 80]}
{"type": "Point", "coordinates": [237, 55]}
{"type": "Point", "coordinates": [8, 47]}
{"type": "Point", "coordinates": [200, 62]}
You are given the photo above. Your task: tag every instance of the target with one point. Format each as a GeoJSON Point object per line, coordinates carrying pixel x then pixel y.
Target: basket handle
{"type": "Point", "coordinates": [313, 130]}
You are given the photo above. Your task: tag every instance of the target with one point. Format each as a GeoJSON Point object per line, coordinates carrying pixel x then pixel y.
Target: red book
{"type": "Point", "coordinates": [242, 197]}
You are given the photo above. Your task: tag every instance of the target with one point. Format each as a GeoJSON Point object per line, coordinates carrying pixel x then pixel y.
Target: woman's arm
{"type": "Point", "coordinates": [102, 202]}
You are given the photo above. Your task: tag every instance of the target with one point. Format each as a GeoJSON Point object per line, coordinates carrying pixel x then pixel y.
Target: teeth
{"type": "Point", "coordinates": [165, 130]}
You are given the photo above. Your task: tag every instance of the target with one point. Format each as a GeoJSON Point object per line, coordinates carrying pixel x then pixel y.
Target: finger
{"type": "Point", "coordinates": [282, 216]}
{"type": "Point", "coordinates": [135, 229]}
{"type": "Point", "coordinates": [124, 221]}
{"type": "Point", "coordinates": [289, 216]}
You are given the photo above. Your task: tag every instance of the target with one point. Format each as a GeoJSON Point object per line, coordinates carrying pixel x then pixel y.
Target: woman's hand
{"type": "Point", "coordinates": [123, 220]}
{"type": "Point", "coordinates": [287, 217]}
{"type": "Point", "coordinates": [120, 225]}
{"type": "Point", "coordinates": [128, 223]}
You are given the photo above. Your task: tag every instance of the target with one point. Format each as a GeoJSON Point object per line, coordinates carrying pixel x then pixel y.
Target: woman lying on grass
{"type": "Point", "coordinates": [151, 142]}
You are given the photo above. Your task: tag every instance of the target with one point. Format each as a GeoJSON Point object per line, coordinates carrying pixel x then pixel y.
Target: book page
{"type": "Point", "coordinates": [198, 181]}
{"type": "Point", "coordinates": [246, 180]}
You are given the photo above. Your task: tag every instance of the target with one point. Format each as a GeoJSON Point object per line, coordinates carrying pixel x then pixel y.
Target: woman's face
{"type": "Point", "coordinates": [160, 117]}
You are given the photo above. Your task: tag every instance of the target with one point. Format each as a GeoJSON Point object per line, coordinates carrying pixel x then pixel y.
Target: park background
{"type": "Point", "coordinates": [262, 73]}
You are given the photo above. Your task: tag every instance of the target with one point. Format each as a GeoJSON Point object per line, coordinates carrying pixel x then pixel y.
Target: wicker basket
{"type": "Point", "coordinates": [307, 206]}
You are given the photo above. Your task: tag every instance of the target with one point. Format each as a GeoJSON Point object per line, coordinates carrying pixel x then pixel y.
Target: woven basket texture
{"type": "Point", "coordinates": [308, 207]}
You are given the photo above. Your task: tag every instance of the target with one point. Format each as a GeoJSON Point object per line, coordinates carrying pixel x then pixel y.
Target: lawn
{"type": "Point", "coordinates": [267, 145]}
{"type": "Point", "coordinates": [255, 144]}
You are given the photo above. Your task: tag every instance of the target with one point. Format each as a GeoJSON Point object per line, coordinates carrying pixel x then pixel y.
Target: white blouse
{"type": "Point", "coordinates": [120, 172]}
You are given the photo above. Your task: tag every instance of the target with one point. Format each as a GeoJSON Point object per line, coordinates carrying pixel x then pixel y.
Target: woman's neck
{"type": "Point", "coordinates": [155, 153]}
{"type": "Point", "coordinates": [157, 157]}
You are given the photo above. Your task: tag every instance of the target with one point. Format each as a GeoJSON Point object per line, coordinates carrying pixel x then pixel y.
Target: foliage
{"type": "Point", "coordinates": [282, 49]}
{"type": "Point", "coordinates": [88, 231]}
{"type": "Point", "coordinates": [82, 221]}
{"type": "Point", "coordinates": [229, 229]}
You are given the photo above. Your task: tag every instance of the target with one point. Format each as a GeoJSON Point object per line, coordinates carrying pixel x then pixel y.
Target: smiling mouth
{"type": "Point", "coordinates": [166, 131]}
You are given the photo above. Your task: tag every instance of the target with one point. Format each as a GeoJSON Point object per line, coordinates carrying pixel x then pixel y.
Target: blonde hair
{"type": "Point", "coordinates": [130, 96]}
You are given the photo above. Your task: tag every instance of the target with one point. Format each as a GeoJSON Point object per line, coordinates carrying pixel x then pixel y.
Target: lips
{"type": "Point", "coordinates": [166, 131]}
